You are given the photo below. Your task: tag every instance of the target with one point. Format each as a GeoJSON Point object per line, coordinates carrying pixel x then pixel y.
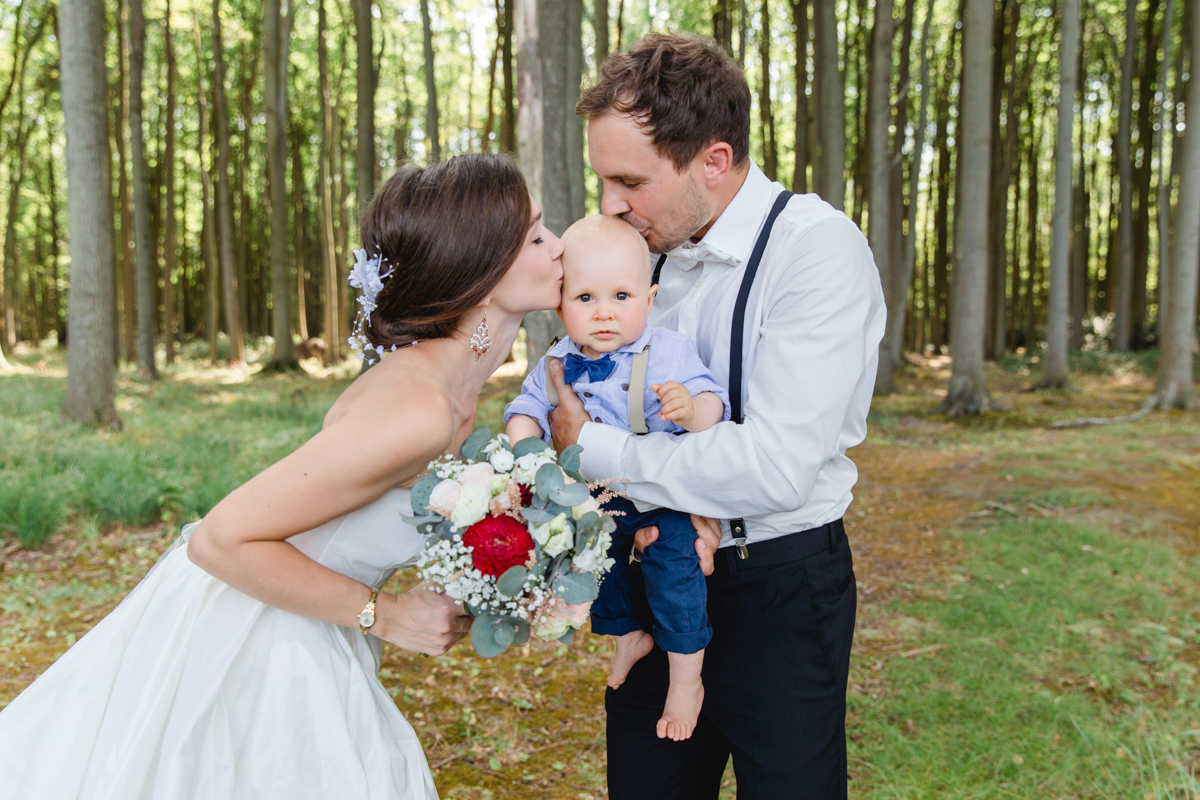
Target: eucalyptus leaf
{"type": "Point", "coordinates": [483, 636]}
{"type": "Point", "coordinates": [503, 633]}
{"type": "Point", "coordinates": [471, 610]}
{"type": "Point", "coordinates": [549, 477]}
{"type": "Point", "coordinates": [607, 525]}
{"type": "Point", "coordinates": [568, 637]}
{"type": "Point", "coordinates": [512, 581]}
{"type": "Point", "coordinates": [474, 444]}
{"type": "Point", "coordinates": [419, 496]}
{"type": "Point", "coordinates": [536, 515]}
{"type": "Point", "coordinates": [588, 520]}
{"type": "Point", "coordinates": [522, 634]}
{"type": "Point", "coordinates": [527, 446]}
{"type": "Point", "coordinates": [542, 566]}
{"type": "Point", "coordinates": [568, 459]}
{"type": "Point", "coordinates": [575, 587]}
{"type": "Point", "coordinates": [570, 495]}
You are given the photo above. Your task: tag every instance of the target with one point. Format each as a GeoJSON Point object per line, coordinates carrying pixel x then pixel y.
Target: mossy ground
{"type": "Point", "coordinates": [1028, 620]}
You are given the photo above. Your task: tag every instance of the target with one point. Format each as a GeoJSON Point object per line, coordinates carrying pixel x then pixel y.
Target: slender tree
{"type": "Point", "coordinates": [89, 396]}
{"type": "Point", "coordinates": [800, 165]}
{"type": "Point", "coordinates": [1122, 324]}
{"type": "Point", "coordinates": [1055, 373]}
{"type": "Point", "coordinates": [275, 49]}
{"type": "Point", "coordinates": [144, 250]}
{"type": "Point", "coordinates": [830, 163]}
{"type": "Point", "coordinates": [1163, 198]}
{"type": "Point", "coordinates": [224, 204]}
{"type": "Point", "coordinates": [766, 114]}
{"type": "Point", "coordinates": [169, 235]}
{"type": "Point", "coordinates": [1175, 382]}
{"type": "Point", "coordinates": [879, 230]}
{"type": "Point", "coordinates": [365, 83]}
{"type": "Point", "coordinates": [431, 101]}
{"type": "Point", "coordinates": [967, 393]}
{"type": "Point", "coordinates": [331, 324]}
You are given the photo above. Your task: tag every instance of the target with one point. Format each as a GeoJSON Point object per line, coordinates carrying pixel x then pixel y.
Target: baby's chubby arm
{"type": "Point", "coordinates": [690, 413]}
{"type": "Point", "coordinates": [521, 426]}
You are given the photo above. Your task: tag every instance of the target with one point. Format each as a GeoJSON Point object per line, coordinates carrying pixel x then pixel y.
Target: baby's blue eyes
{"type": "Point", "coordinates": [587, 298]}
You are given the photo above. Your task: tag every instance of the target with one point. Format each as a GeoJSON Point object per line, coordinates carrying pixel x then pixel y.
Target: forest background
{"type": "Point", "coordinates": [181, 181]}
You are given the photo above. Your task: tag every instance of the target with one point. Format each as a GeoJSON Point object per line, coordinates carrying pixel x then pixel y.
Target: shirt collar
{"type": "Point", "coordinates": [731, 238]}
{"type": "Point", "coordinates": [633, 347]}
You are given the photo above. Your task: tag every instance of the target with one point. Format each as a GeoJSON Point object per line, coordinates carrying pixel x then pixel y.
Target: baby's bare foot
{"type": "Point", "coordinates": [682, 710]}
{"type": "Point", "coordinates": [630, 648]}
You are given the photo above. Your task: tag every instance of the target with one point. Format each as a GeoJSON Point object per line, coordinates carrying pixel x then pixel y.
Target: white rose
{"type": "Point", "coordinates": [495, 443]}
{"type": "Point", "coordinates": [591, 504]}
{"type": "Point", "coordinates": [502, 460]}
{"type": "Point", "coordinates": [552, 628]}
{"type": "Point", "coordinates": [472, 505]}
{"type": "Point", "coordinates": [593, 557]}
{"type": "Point", "coordinates": [443, 497]}
{"type": "Point", "coordinates": [543, 533]}
{"type": "Point", "coordinates": [558, 543]}
{"type": "Point", "coordinates": [525, 468]}
{"type": "Point", "coordinates": [498, 485]}
{"type": "Point", "coordinates": [477, 473]}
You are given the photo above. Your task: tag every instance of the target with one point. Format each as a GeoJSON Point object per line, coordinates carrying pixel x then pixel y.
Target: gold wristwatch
{"type": "Point", "coordinates": [367, 618]}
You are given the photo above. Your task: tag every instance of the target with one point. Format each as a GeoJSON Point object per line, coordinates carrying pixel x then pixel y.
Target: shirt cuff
{"type": "Point", "coordinates": [602, 446]}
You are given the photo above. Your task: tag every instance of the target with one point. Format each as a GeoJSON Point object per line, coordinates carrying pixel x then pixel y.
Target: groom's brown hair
{"type": "Point", "coordinates": [686, 91]}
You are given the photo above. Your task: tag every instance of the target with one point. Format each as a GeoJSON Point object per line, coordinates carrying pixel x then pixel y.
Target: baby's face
{"type": "Point", "coordinates": [606, 298]}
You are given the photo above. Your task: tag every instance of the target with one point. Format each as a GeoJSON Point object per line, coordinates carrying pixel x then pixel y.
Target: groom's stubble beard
{"type": "Point", "coordinates": [693, 214]}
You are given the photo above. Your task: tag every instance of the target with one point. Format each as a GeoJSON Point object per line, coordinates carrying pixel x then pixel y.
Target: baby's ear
{"type": "Point", "coordinates": [559, 312]}
{"type": "Point", "coordinates": [653, 292]}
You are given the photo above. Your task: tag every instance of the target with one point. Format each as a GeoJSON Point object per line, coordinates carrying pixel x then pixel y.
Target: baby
{"type": "Point", "coordinates": [606, 299]}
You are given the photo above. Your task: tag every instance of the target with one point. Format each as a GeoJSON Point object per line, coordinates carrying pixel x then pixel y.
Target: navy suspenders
{"type": "Point", "coordinates": [737, 336]}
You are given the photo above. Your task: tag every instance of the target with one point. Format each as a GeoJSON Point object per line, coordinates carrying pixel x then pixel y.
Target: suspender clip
{"type": "Point", "coordinates": [738, 528]}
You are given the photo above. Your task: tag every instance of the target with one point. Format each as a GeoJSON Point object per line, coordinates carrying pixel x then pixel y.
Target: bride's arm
{"type": "Point", "coordinates": [347, 465]}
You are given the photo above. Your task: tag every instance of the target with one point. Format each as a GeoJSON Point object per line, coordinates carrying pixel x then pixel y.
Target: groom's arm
{"type": "Point", "coordinates": [817, 345]}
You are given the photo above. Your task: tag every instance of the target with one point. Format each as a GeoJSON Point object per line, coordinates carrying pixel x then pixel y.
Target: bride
{"type": "Point", "coordinates": [244, 664]}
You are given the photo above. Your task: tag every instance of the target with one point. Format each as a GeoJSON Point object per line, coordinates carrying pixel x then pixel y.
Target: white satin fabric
{"type": "Point", "coordinates": [191, 689]}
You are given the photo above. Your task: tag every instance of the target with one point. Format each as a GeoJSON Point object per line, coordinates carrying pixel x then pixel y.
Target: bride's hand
{"type": "Point", "coordinates": [421, 620]}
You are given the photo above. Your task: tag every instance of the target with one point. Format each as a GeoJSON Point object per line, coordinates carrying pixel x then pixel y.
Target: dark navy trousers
{"type": "Point", "coordinates": [774, 675]}
{"type": "Point", "coordinates": [675, 590]}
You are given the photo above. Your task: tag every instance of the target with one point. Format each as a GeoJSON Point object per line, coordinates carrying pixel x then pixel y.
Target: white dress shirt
{"type": "Point", "coordinates": [814, 320]}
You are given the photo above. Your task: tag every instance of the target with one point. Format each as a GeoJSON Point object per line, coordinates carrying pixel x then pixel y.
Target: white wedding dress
{"type": "Point", "coordinates": [191, 689]}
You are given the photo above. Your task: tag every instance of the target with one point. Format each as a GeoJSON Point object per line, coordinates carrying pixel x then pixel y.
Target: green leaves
{"type": "Point", "coordinates": [419, 496]}
{"type": "Point", "coordinates": [512, 581]}
{"type": "Point", "coordinates": [491, 635]}
{"type": "Point", "coordinates": [474, 444]}
{"type": "Point", "coordinates": [569, 458]}
{"type": "Point", "coordinates": [548, 479]}
{"type": "Point", "coordinates": [527, 446]}
{"type": "Point", "coordinates": [575, 587]}
{"type": "Point", "coordinates": [570, 495]}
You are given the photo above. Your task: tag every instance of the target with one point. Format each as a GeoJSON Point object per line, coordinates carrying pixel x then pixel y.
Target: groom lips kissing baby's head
{"type": "Point", "coordinates": [606, 291]}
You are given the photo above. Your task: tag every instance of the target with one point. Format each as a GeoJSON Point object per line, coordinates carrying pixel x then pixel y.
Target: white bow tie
{"type": "Point", "coordinates": [689, 254]}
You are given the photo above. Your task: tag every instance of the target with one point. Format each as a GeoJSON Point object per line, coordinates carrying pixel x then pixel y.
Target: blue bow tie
{"type": "Point", "coordinates": [597, 369]}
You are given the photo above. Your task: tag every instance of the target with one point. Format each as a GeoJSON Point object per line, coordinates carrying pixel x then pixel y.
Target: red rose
{"type": "Point", "coordinates": [497, 544]}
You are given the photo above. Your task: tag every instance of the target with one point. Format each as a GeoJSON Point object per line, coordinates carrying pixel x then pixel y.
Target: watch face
{"type": "Point", "coordinates": [366, 619]}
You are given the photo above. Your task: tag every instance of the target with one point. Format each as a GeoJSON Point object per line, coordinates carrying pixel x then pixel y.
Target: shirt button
{"type": "Point", "coordinates": [595, 419]}
{"type": "Point", "coordinates": [587, 394]}
{"type": "Point", "coordinates": [625, 386]}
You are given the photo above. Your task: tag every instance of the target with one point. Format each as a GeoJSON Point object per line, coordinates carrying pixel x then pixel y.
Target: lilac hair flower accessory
{"type": "Point", "coordinates": [367, 275]}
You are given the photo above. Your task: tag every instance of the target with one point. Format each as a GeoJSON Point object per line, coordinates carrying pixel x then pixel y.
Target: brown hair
{"type": "Point", "coordinates": [448, 233]}
{"type": "Point", "coordinates": [686, 91]}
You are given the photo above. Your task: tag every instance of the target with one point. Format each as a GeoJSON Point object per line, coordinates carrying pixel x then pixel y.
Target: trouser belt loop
{"type": "Point", "coordinates": [731, 560]}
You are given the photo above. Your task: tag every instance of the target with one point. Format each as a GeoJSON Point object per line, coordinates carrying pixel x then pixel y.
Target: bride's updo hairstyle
{"type": "Point", "coordinates": [447, 233]}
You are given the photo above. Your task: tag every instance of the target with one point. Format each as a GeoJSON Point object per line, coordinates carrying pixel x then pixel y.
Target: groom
{"type": "Point", "coordinates": [668, 134]}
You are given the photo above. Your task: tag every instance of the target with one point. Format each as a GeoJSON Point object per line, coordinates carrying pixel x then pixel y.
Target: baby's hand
{"type": "Point", "coordinates": [676, 401]}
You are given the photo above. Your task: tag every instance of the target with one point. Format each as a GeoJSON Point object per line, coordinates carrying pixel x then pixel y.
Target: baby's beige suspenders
{"type": "Point", "coordinates": [637, 387]}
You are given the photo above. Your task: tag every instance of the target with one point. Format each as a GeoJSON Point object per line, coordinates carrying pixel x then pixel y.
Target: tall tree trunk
{"type": "Point", "coordinates": [1147, 74]}
{"type": "Point", "coordinates": [144, 250]}
{"type": "Point", "coordinates": [600, 25]}
{"type": "Point", "coordinates": [224, 209]}
{"type": "Point", "coordinates": [1080, 232]}
{"type": "Point", "coordinates": [275, 50]}
{"type": "Point", "coordinates": [880, 227]}
{"type": "Point", "coordinates": [208, 229]}
{"type": "Point", "coordinates": [127, 256]}
{"type": "Point", "coordinates": [1163, 209]}
{"type": "Point", "coordinates": [365, 85]}
{"type": "Point", "coordinates": [431, 103]}
{"type": "Point", "coordinates": [1055, 373]}
{"type": "Point", "coordinates": [508, 123]}
{"type": "Point", "coordinates": [169, 236]}
{"type": "Point", "coordinates": [620, 23]}
{"type": "Point", "coordinates": [1174, 383]}
{"type": "Point", "coordinates": [945, 183]}
{"type": "Point", "coordinates": [89, 395]}
{"type": "Point", "coordinates": [529, 94]}
{"type": "Point", "coordinates": [914, 183]}
{"type": "Point", "coordinates": [331, 326]}
{"type": "Point", "coordinates": [562, 145]}
{"type": "Point", "coordinates": [800, 165]}
{"type": "Point", "coordinates": [830, 162]}
{"type": "Point", "coordinates": [298, 226]}
{"type": "Point", "coordinates": [765, 114]}
{"type": "Point", "coordinates": [967, 393]}
{"type": "Point", "coordinates": [1122, 324]}
{"type": "Point", "coordinates": [1032, 255]}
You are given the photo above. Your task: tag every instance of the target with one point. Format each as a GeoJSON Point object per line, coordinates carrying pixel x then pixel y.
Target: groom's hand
{"type": "Point", "coordinates": [567, 420]}
{"type": "Point", "coordinates": [708, 539]}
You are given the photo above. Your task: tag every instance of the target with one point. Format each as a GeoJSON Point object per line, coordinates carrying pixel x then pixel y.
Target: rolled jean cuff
{"type": "Point", "coordinates": [684, 643]}
{"type": "Point", "coordinates": [618, 626]}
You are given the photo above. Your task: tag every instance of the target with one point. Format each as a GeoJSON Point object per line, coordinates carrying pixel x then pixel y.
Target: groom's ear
{"type": "Point", "coordinates": [717, 161]}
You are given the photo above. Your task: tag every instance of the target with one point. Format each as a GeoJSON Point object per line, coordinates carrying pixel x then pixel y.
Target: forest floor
{"type": "Point", "coordinates": [1028, 620]}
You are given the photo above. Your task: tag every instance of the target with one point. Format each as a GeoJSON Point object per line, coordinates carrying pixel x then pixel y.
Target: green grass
{"type": "Point", "coordinates": [1060, 661]}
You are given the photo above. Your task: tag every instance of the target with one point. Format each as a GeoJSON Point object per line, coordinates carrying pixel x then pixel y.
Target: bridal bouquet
{"type": "Point", "coordinates": [514, 533]}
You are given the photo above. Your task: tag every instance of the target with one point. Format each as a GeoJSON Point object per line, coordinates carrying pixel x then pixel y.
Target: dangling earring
{"type": "Point", "coordinates": [481, 340]}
